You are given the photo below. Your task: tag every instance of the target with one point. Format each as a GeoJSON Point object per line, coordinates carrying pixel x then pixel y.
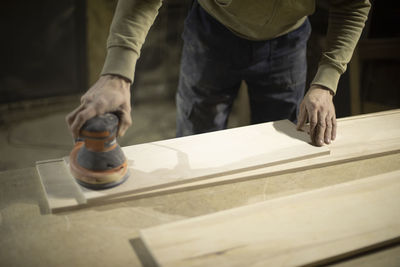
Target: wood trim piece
{"type": "Point", "coordinates": [56, 181]}
{"type": "Point", "coordinates": [359, 137]}
{"type": "Point", "coordinates": [205, 156]}
{"type": "Point", "coordinates": [308, 228]}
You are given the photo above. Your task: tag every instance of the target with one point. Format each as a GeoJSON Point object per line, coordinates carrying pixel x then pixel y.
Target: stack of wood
{"type": "Point", "coordinates": [313, 227]}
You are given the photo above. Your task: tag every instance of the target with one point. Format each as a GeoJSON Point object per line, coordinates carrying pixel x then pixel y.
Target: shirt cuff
{"type": "Point", "coordinates": [328, 77]}
{"type": "Point", "coordinates": [120, 61]}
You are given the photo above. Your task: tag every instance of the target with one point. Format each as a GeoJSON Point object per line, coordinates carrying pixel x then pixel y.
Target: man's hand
{"type": "Point", "coordinates": [109, 94]}
{"type": "Point", "coordinates": [317, 108]}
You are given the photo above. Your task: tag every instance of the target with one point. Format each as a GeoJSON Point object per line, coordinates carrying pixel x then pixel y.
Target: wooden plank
{"type": "Point", "coordinates": [380, 134]}
{"type": "Point", "coordinates": [388, 256]}
{"type": "Point", "coordinates": [204, 156]}
{"type": "Point", "coordinates": [359, 137]}
{"type": "Point", "coordinates": [60, 188]}
{"type": "Point", "coordinates": [307, 228]}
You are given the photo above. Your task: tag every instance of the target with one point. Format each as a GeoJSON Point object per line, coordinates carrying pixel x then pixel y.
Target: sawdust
{"type": "Point", "coordinates": [156, 214]}
{"type": "Point", "coordinates": [67, 222]}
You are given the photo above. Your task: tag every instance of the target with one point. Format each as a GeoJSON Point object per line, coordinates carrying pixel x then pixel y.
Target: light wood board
{"type": "Point", "coordinates": [198, 157]}
{"type": "Point", "coordinates": [359, 137]}
{"type": "Point", "coordinates": [301, 229]}
{"type": "Point", "coordinates": [57, 184]}
{"type": "Point", "coordinates": [205, 156]}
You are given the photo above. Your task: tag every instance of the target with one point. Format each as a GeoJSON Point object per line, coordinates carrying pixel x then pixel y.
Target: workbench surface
{"type": "Point", "coordinates": [107, 235]}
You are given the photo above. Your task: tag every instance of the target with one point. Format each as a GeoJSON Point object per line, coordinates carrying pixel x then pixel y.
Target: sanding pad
{"type": "Point", "coordinates": [96, 179]}
{"type": "Point", "coordinates": [97, 161]}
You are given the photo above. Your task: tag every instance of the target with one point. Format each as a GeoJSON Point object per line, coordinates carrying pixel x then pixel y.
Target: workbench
{"type": "Point", "coordinates": [107, 235]}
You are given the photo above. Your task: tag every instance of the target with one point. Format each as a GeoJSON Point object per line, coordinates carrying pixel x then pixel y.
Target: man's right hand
{"type": "Point", "coordinates": [109, 94]}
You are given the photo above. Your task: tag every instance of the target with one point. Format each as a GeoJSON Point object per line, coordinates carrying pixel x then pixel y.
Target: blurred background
{"type": "Point", "coordinates": [52, 51]}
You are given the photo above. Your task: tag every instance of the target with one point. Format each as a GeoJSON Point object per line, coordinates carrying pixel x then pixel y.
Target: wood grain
{"type": "Point", "coordinates": [60, 188]}
{"type": "Point", "coordinates": [359, 137]}
{"type": "Point", "coordinates": [301, 229]}
{"type": "Point", "coordinates": [206, 156]}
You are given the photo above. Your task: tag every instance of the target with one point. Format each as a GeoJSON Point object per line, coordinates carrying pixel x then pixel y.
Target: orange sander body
{"type": "Point", "coordinates": [97, 161]}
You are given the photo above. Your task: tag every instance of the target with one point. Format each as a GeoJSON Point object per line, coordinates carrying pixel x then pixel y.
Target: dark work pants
{"type": "Point", "coordinates": [215, 61]}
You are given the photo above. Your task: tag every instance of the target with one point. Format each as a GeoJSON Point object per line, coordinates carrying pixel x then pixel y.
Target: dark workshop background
{"type": "Point", "coordinates": [57, 48]}
{"type": "Point", "coordinates": [52, 51]}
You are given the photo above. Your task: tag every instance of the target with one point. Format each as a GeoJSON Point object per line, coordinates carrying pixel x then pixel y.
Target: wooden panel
{"type": "Point", "coordinates": [198, 157]}
{"type": "Point", "coordinates": [60, 189]}
{"type": "Point", "coordinates": [204, 156]}
{"type": "Point", "coordinates": [387, 256]}
{"type": "Point", "coordinates": [359, 137]}
{"type": "Point", "coordinates": [301, 229]}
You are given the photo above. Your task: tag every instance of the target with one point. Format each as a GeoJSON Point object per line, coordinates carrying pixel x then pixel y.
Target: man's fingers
{"type": "Point", "coordinates": [102, 105]}
{"type": "Point", "coordinates": [71, 116]}
{"type": "Point", "coordinates": [318, 103]}
{"type": "Point", "coordinates": [334, 127]}
{"type": "Point", "coordinates": [302, 118]}
{"type": "Point", "coordinates": [313, 119]}
{"type": "Point", "coordinates": [125, 123]}
{"type": "Point", "coordinates": [81, 118]}
{"type": "Point", "coordinates": [319, 131]}
{"type": "Point", "coordinates": [328, 131]}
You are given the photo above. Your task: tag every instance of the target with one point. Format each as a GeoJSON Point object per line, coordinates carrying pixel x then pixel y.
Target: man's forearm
{"type": "Point", "coordinates": [131, 23]}
{"type": "Point", "coordinates": [346, 22]}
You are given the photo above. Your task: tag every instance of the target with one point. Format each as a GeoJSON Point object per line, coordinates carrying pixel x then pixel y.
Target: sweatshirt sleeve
{"type": "Point", "coordinates": [346, 22]}
{"type": "Point", "coordinates": [130, 25]}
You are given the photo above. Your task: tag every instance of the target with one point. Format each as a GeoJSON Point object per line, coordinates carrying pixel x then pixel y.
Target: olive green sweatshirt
{"type": "Point", "coordinates": [250, 19]}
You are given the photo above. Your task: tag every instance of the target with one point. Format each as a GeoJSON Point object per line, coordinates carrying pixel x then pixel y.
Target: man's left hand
{"type": "Point", "coordinates": [317, 108]}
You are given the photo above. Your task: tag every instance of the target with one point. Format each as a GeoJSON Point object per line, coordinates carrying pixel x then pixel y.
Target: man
{"type": "Point", "coordinates": [226, 41]}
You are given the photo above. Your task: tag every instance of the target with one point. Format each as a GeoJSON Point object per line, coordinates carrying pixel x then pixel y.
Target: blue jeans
{"type": "Point", "coordinates": [215, 61]}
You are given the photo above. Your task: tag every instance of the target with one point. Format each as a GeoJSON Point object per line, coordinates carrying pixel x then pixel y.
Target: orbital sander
{"type": "Point", "coordinates": [97, 161]}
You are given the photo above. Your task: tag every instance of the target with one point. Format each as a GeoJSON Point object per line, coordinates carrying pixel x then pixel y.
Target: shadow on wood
{"type": "Point", "coordinates": [142, 253]}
